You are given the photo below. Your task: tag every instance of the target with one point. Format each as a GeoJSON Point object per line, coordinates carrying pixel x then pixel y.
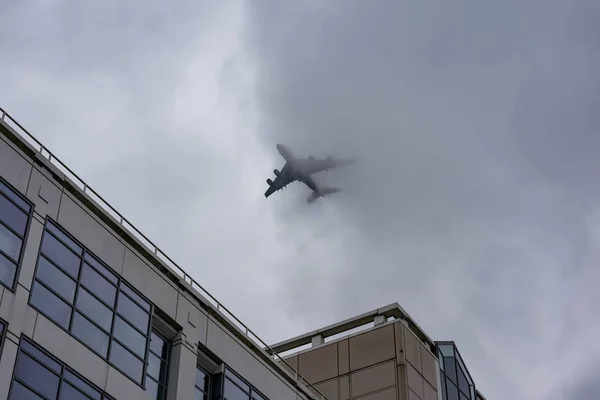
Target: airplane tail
{"type": "Point", "coordinates": [321, 193]}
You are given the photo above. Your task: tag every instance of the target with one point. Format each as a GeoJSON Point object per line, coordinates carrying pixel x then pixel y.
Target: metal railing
{"type": "Point", "coordinates": [6, 117]}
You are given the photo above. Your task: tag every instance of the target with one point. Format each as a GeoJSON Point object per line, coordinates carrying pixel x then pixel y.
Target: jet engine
{"type": "Point", "coordinates": [276, 172]}
{"type": "Point", "coordinates": [270, 182]}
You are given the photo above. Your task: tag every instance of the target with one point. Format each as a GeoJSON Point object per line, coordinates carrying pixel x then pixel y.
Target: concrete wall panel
{"type": "Point", "coordinates": [147, 280]}
{"type": "Point", "coordinates": [372, 347]}
{"type": "Point", "coordinates": [373, 379]}
{"type": "Point", "coordinates": [14, 310]}
{"type": "Point", "coordinates": [44, 193]}
{"type": "Point", "coordinates": [92, 233]}
{"type": "Point", "coordinates": [192, 319]}
{"type": "Point", "coordinates": [344, 357]}
{"type": "Point", "coordinates": [413, 349]}
{"type": "Point", "coordinates": [243, 362]}
{"type": "Point", "coordinates": [7, 365]}
{"type": "Point", "coordinates": [66, 348]}
{"type": "Point", "coordinates": [414, 379]}
{"type": "Point", "coordinates": [388, 394]}
{"type": "Point", "coordinates": [429, 366]}
{"type": "Point", "coordinates": [121, 387]}
{"type": "Point", "coordinates": [13, 167]}
{"type": "Point", "coordinates": [329, 389]}
{"type": "Point", "coordinates": [319, 364]}
{"type": "Point", "coordinates": [182, 373]}
{"type": "Point", "coordinates": [30, 256]}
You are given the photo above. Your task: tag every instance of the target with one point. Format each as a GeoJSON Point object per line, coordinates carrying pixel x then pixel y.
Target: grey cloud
{"type": "Point", "coordinates": [476, 135]}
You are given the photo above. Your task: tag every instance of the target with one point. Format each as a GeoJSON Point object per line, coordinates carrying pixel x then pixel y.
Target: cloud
{"type": "Point", "coordinates": [473, 203]}
{"type": "Point", "coordinates": [475, 126]}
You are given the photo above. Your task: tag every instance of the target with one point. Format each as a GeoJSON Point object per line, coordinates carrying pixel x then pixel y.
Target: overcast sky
{"type": "Point", "coordinates": [477, 128]}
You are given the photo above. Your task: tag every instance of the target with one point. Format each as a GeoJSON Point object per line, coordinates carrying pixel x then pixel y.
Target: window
{"type": "Point", "coordinates": [202, 384]}
{"type": "Point", "coordinates": [158, 366]}
{"type": "Point", "coordinates": [456, 380]}
{"type": "Point", "coordinates": [39, 375]}
{"type": "Point", "coordinates": [15, 213]}
{"type": "Point", "coordinates": [79, 293]}
{"type": "Point", "coordinates": [232, 387]}
{"type": "Point", "coordinates": [2, 329]}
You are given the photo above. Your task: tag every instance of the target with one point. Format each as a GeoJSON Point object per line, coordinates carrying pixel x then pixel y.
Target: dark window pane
{"type": "Point", "coordinates": [153, 388]}
{"type": "Point", "coordinates": [130, 337]}
{"type": "Point", "coordinates": [143, 303]}
{"type": "Point", "coordinates": [133, 313]}
{"type": "Point", "coordinates": [154, 366]}
{"type": "Point", "coordinates": [90, 334]}
{"type": "Point", "coordinates": [238, 381]}
{"type": "Point", "coordinates": [36, 376]}
{"type": "Point", "coordinates": [20, 392]}
{"type": "Point", "coordinates": [101, 268]}
{"type": "Point", "coordinates": [94, 309]}
{"type": "Point", "coordinates": [157, 345]}
{"type": "Point", "coordinates": [10, 243]}
{"type": "Point", "coordinates": [54, 308]}
{"type": "Point", "coordinates": [463, 397]}
{"type": "Point", "coordinates": [7, 271]}
{"type": "Point", "coordinates": [201, 395]}
{"type": "Point", "coordinates": [202, 380]}
{"type": "Point", "coordinates": [12, 216]}
{"type": "Point", "coordinates": [56, 279]}
{"type": "Point", "coordinates": [8, 192]}
{"type": "Point", "coordinates": [61, 255]}
{"type": "Point", "coordinates": [41, 356]}
{"type": "Point", "coordinates": [99, 285]}
{"type": "Point", "coordinates": [66, 239]}
{"type": "Point", "coordinates": [68, 392]}
{"type": "Point", "coordinates": [451, 390]}
{"type": "Point", "coordinates": [126, 361]}
{"type": "Point", "coordinates": [463, 384]}
{"type": "Point", "coordinates": [1, 328]}
{"type": "Point", "coordinates": [256, 396]}
{"type": "Point", "coordinates": [76, 381]}
{"type": "Point", "coordinates": [450, 368]}
{"type": "Point", "coordinates": [232, 392]}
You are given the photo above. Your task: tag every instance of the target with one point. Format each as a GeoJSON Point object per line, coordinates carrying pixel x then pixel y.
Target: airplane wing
{"type": "Point", "coordinates": [279, 183]}
{"type": "Point", "coordinates": [311, 165]}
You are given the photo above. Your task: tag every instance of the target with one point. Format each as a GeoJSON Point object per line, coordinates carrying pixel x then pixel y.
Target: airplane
{"type": "Point", "coordinates": [300, 169]}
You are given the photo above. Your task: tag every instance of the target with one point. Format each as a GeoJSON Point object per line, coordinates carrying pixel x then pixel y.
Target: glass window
{"type": "Point", "coordinates": [90, 334]}
{"type": "Point", "coordinates": [99, 285]}
{"type": "Point", "coordinates": [38, 374]}
{"type": "Point", "coordinates": [202, 384]}
{"type": "Point", "coordinates": [450, 368]}
{"type": "Point", "coordinates": [55, 279]}
{"type": "Point", "coordinates": [132, 312]}
{"type": "Point", "coordinates": [50, 305]}
{"type": "Point", "coordinates": [10, 243]}
{"type": "Point", "coordinates": [126, 361]}
{"type": "Point", "coordinates": [451, 390]}
{"type": "Point", "coordinates": [15, 213]}
{"type": "Point", "coordinates": [61, 255]}
{"type": "Point", "coordinates": [158, 366]}
{"type": "Point", "coordinates": [236, 388]}
{"type": "Point", "coordinates": [77, 291]}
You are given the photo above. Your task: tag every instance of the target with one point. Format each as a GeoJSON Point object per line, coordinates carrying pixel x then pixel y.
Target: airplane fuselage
{"type": "Point", "coordinates": [301, 169]}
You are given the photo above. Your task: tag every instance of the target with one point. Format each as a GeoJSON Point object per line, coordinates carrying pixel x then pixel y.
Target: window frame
{"type": "Point", "coordinates": [121, 282]}
{"type": "Point", "coordinates": [166, 360]}
{"type": "Point", "coordinates": [227, 371]}
{"type": "Point", "coordinates": [211, 380]}
{"type": "Point", "coordinates": [29, 214]}
{"type": "Point", "coordinates": [3, 335]}
{"type": "Point", "coordinates": [64, 367]}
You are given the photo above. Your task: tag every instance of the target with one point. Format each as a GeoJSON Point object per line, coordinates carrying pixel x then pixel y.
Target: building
{"type": "Point", "coordinates": [379, 355]}
{"type": "Point", "coordinates": [91, 309]}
